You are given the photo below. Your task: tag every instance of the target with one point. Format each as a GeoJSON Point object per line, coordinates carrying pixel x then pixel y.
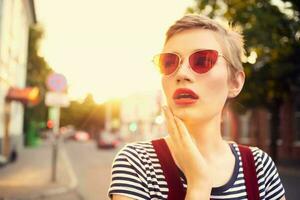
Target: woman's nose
{"type": "Point", "coordinates": [184, 73]}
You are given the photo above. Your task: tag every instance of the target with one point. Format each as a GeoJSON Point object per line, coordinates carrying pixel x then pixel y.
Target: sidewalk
{"type": "Point", "coordinates": [30, 176]}
{"type": "Point", "coordinates": [289, 172]}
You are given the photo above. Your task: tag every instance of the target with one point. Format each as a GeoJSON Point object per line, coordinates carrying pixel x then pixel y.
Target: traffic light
{"type": "Point", "coordinates": [133, 126]}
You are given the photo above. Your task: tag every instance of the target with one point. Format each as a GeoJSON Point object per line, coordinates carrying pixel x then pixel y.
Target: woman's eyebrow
{"type": "Point", "coordinates": [171, 52]}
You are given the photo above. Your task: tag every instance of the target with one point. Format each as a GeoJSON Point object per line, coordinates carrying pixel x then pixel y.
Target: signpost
{"type": "Point", "coordinates": [55, 99]}
{"type": "Point", "coordinates": [56, 82]}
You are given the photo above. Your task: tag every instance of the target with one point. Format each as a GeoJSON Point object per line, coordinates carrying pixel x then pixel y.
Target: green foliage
{"type": "Point", "coordinates": [88, 115]}
{"type": "Point", "coordinates": [273, 33]}
{"type": "Point", "coordinates": [37, 72]}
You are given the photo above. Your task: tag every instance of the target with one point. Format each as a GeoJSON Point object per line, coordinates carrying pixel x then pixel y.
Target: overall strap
{"type": "Point", "coordinates": [249, 169]}
{"type": "Point", "coordinates": [170, 170]}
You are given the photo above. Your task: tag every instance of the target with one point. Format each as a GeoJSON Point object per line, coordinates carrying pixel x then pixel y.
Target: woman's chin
{"type": "Point", "coordinates": [185, 114]}
{"type": "Point", "coordinates": [190, 115]}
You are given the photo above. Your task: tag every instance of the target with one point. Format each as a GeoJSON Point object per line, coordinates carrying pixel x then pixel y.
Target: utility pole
{"type": "Point", "coordinates": [55, 116]}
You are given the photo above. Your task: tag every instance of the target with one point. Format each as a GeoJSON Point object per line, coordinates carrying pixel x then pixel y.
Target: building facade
{"type": "Point", "coordinates": [253, 128]}
{"type": "Point", "coordinates": [16, 17]}
{"type": "Point", "coordinates": [141, 117]}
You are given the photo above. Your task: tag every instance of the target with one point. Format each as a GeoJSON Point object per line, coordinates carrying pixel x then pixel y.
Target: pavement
{"type": "Point", "coordinates": [29, 178]}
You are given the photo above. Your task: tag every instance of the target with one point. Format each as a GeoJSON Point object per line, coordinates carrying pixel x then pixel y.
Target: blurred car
{"type": "Point", "coordinates": [108, 145]}
{"type": "Point", "coordinates": [108, 140]}
{"type": "Point", "coordinates": [81, 136]}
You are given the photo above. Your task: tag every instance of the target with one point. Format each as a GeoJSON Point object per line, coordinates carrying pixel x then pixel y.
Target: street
{"type": "Point", "coordinates": [92, 168]}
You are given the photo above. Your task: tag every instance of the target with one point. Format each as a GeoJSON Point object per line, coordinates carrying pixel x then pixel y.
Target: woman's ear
{"type": "Point", "coordinates": [236, 83]}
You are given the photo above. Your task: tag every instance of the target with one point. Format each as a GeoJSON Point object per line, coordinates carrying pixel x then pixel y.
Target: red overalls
{"type": "Point", "coordinates": [171, 173]}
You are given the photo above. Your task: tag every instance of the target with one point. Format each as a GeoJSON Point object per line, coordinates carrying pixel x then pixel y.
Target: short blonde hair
{"type": "Point", "coordinates": [231, 40]}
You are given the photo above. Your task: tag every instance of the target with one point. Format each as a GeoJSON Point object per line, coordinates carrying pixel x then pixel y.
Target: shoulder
{"type": "Point", "coordinates": [263, 162]}
{"type": "Point", "coordinates": [259, 155]}
{"type": "Point", "coordinates": [137, 150]}
{"type": "Point", "coordinates": [137, 156]}
{"type": "Point", "coordinates": [262, 159]}
{"type": "Point", "coordinates": [267, 174]}
{"type": "Point", "coordinates": [129, 171]}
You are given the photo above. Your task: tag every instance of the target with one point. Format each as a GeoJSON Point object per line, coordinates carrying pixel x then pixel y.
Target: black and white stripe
{"type": "Point", "coordinates": [136, 173]}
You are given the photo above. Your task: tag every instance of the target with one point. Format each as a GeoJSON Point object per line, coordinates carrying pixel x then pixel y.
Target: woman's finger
{"type": "Point", "coordinates": [183, 130]}
{"type": "Point", "coordinates": [187, 139]}
{"type": "Point", "coordinates": [171, 125]}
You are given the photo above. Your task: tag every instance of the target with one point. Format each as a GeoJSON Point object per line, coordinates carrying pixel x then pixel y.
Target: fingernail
{"type": "Point", "coordinates": [164, 111]}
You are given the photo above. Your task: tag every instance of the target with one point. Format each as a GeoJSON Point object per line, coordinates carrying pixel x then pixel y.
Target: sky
{"type": "Point", "coordinates": [106, 47]}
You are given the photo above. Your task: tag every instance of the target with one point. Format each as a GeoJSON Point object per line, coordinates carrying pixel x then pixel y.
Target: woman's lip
{"type": "Point", "coordinates": [185, 101]}
{"type": "Point", "coordinates": [181, 91]}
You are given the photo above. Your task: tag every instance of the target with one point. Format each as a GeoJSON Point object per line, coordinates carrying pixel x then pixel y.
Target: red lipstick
{"type": "Point", "coordinates": [185, 96]}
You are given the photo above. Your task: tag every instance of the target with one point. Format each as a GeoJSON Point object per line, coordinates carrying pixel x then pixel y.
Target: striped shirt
{"type": "Point", "coordinates": [136, 173]}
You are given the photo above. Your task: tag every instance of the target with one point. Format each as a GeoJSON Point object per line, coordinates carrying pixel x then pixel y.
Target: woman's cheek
{"type": "Point", "coordinates": [167, 90]}
{"type": "Point", "coordinates": [216, 90]}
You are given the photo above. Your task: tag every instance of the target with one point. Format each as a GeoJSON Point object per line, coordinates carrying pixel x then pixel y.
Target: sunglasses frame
{"type": "Point", "coordinates": [180, 63]}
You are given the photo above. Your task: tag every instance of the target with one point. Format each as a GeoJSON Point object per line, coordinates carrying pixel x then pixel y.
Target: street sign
{"type": "Point", "coordinates": [57, 99]}
{"type": "Point", "coordinates": [56, 82]}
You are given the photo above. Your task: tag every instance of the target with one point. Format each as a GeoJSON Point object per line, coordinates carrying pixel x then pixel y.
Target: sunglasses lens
{"type": "Point", "coordinates": [202, 61]}
{"type": "Point", "coordinates": [166, 62]}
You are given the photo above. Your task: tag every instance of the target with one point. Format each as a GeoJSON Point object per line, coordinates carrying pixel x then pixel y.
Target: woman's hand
{"type": "Point", "coordinates": [188, 157]}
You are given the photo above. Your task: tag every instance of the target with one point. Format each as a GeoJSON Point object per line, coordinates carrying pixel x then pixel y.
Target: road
{"type": "Point", "coordinates": [92, 168]}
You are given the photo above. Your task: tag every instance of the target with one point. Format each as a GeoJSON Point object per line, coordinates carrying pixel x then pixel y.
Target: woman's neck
{"type": "Point", "coordinates": [207, 136]}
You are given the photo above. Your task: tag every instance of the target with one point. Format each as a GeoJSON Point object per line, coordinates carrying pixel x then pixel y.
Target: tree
{"type": "Point", "coordinates": [272, 35]}
{"type": "Point", "coordinates": [37, 72]}
{"type": "Point", "coordinates": [87, 115]}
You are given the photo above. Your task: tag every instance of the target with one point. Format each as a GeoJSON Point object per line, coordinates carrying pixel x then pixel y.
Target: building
{"type": "Point", "coordinates": [141, 116]}
{"type": "Point", "coordinates": [253, 128]}
{"type": "Point", "coordinates": [16, 17]}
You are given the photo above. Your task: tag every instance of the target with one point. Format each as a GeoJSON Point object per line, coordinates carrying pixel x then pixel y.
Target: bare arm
{"type": "Point", "coordinates": [194, 193]}
{"type": "Point", "coordinates": [283, 198]}
{"type": "Point", "coordinates": [120, 197]}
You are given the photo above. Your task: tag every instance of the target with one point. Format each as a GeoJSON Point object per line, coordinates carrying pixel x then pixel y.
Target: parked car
{"type": "Point", "coordinates": [81, 136]}
{"type": "Point", "coordinates": [108, 140]}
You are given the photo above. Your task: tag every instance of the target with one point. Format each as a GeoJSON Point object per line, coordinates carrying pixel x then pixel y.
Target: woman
{"type": "Point", "coordinates": [201, 69]}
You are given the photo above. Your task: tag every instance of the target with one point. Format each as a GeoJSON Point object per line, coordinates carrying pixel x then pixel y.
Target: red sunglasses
{"type": "Point", "coordinates": [201, 61]}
